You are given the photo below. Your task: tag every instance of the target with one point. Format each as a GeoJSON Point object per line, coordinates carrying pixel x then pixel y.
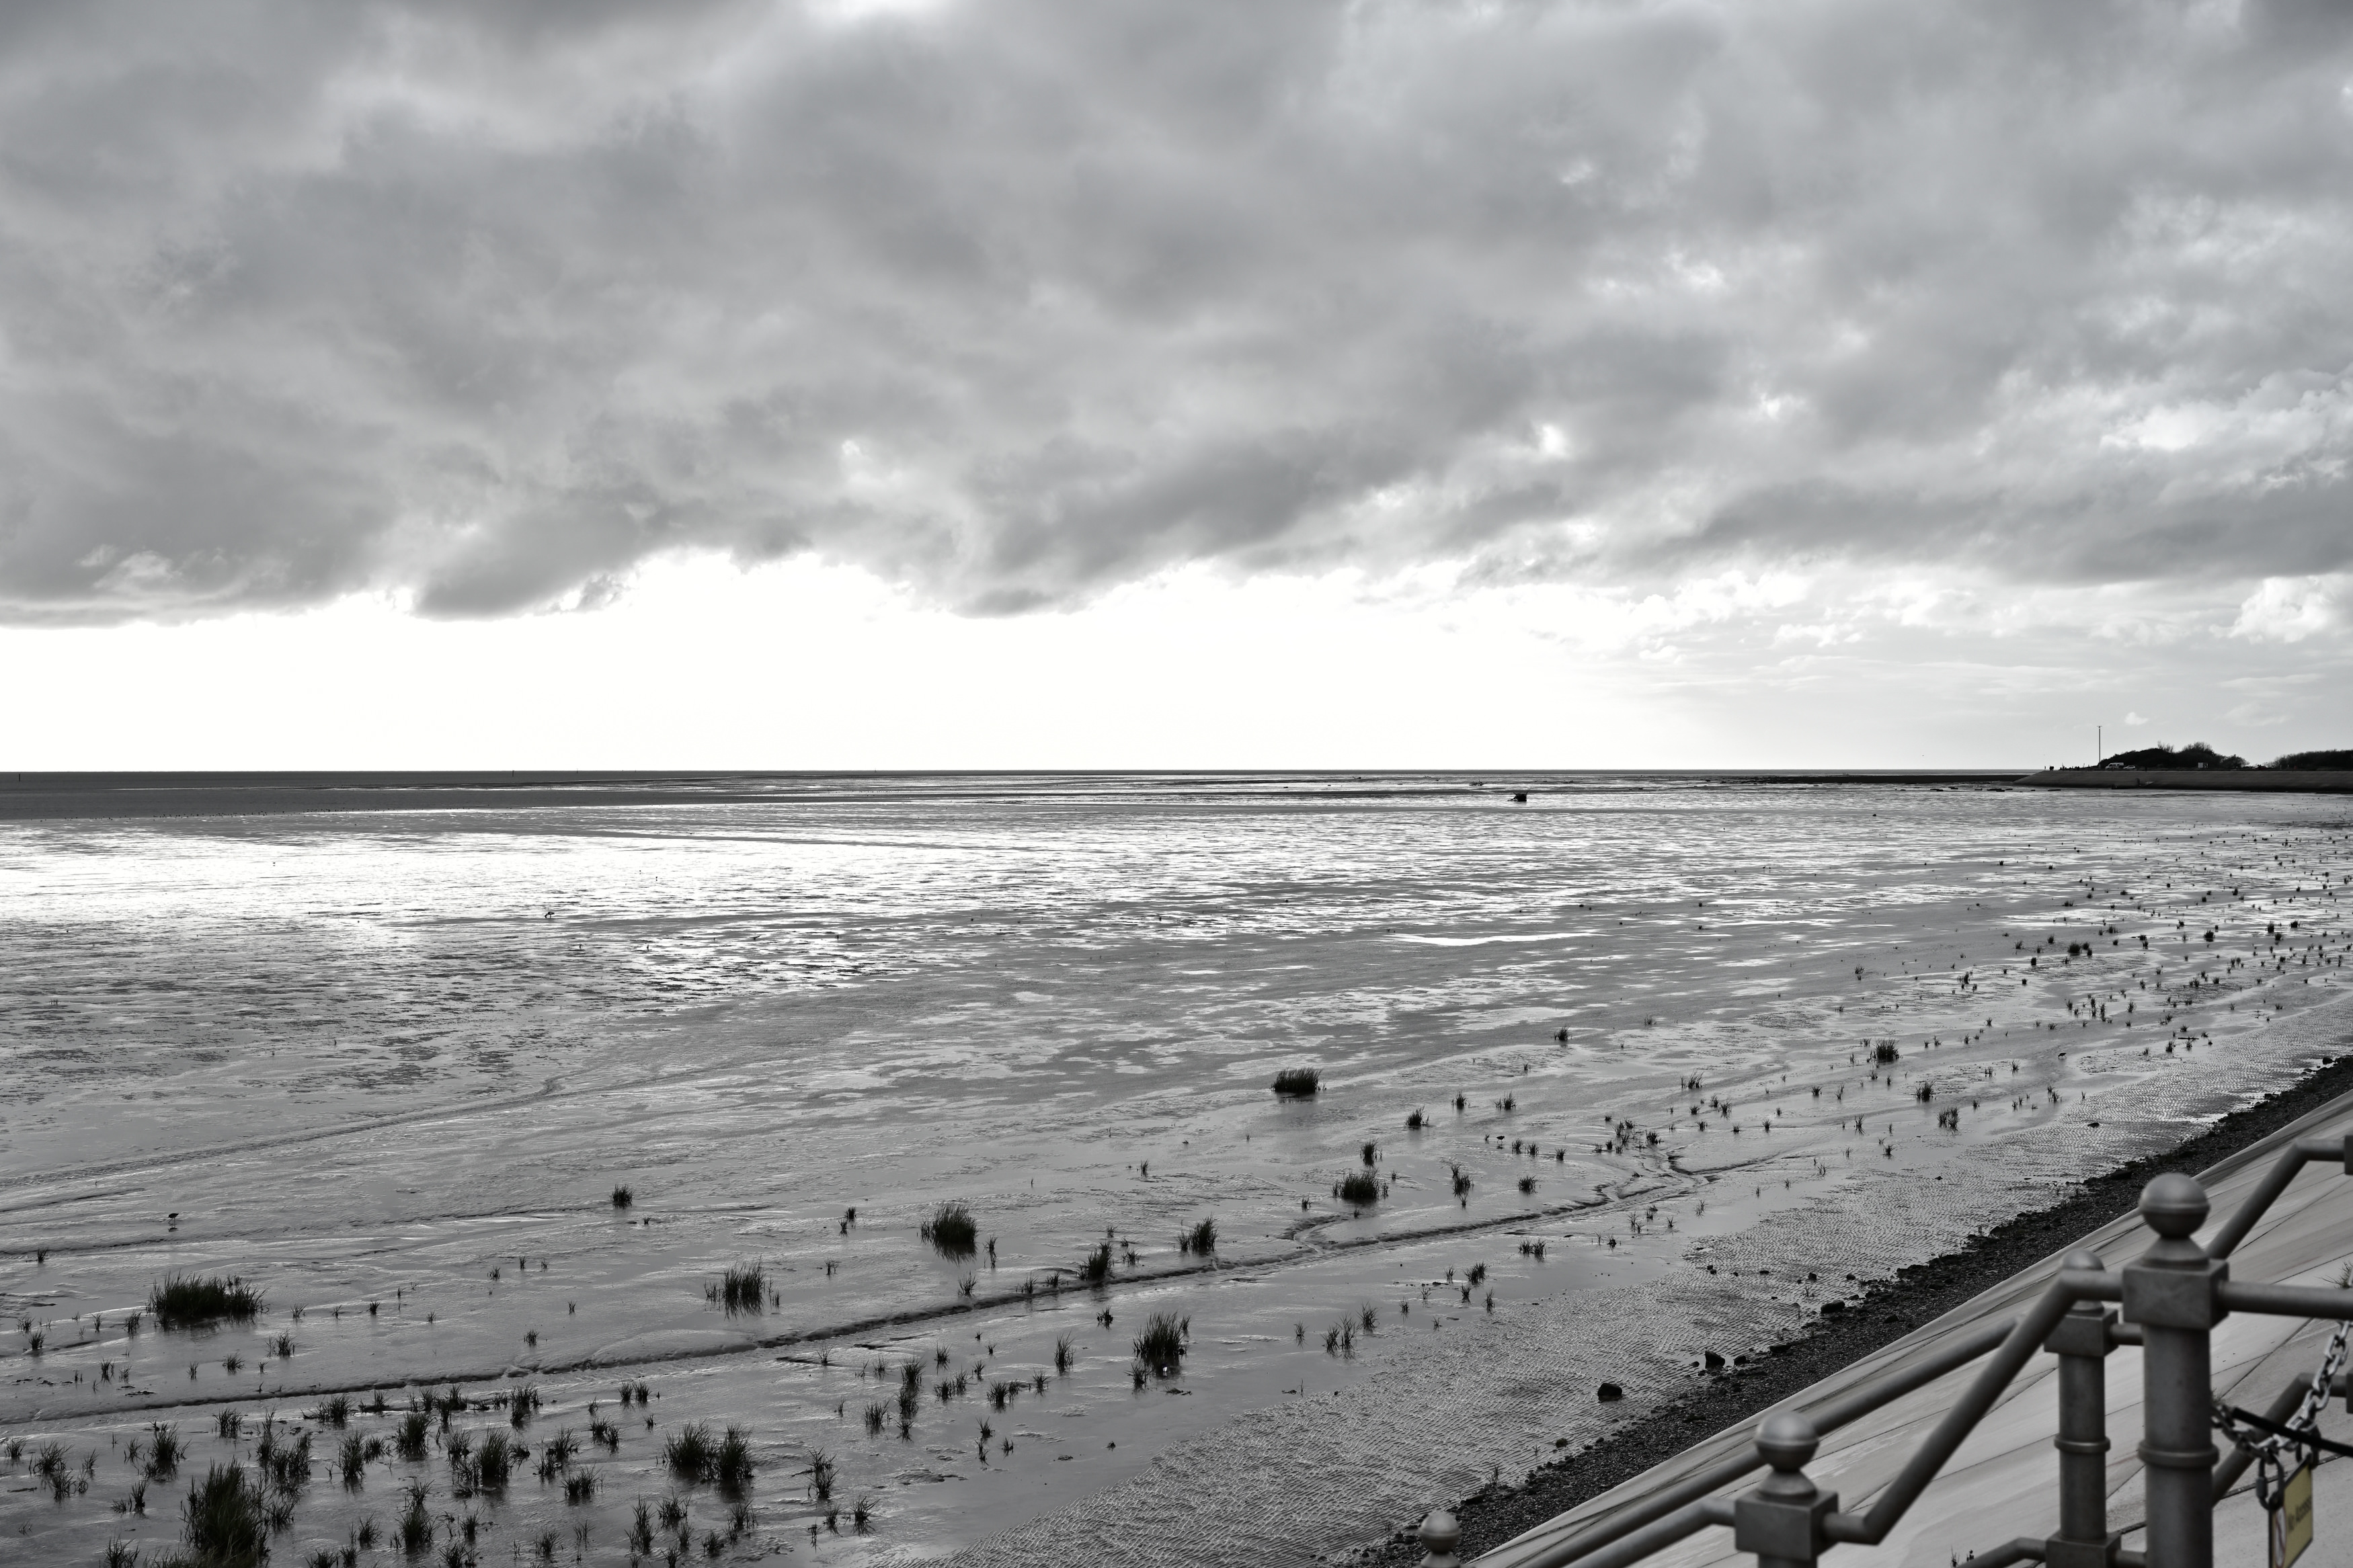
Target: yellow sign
{"type": "Point", "coordinates": [2291, 1523]}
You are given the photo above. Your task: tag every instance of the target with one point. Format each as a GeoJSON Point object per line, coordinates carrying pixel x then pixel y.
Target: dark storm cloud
{"type": "Point", "coordinates": [1014, 302]}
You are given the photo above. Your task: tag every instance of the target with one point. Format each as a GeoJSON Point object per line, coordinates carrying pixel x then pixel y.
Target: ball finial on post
{"type": "Point", "coordinates": [1441, 1534]}
{"type": "Point", "coordinates": [1786, 1440]}
{"type": "Point", "coordinates": [2173, 1205]}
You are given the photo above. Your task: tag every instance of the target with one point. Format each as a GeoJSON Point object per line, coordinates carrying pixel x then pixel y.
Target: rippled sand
{"type": "Point", "coordinates": [398, 1061]}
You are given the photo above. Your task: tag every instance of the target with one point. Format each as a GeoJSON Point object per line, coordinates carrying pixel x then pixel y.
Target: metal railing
{"type": "Point", "coordinates": [2171, 1296]}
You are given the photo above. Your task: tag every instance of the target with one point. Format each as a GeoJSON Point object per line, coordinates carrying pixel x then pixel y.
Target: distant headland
{"type": "Point", "coordinates": [2200, 766]}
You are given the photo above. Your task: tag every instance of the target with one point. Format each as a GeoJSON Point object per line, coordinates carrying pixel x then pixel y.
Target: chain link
{"type": "Point", "coordinates": [2271, 1469]}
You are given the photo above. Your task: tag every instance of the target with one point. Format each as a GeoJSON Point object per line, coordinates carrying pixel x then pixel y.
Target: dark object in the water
{"type": "Point", "coordinates": [187, 1302]}
{"type": "Point", "coordinates": [1298, 1081]}
{"type": "Point", "coordinates": [1520, 797]}
{"type": "Point", "coordinates": [623, 1198]}
{"type": "Point", "coordinates": [952, 1230]}
{"type": "Point", "coordinates": [1714, 1361]}
{"type": "Point", "coordinates": [1884, 1052]}
{"type": "Point", "coordinates": [1609, 1394]}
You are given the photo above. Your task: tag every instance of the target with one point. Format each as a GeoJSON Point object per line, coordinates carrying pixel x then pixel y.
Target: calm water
{"type": "Point", "coordinates": [367, 1058]}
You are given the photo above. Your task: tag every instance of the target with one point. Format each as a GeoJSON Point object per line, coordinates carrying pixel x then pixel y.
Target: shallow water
{"type": "Point", "coordinates": [398, 1061]}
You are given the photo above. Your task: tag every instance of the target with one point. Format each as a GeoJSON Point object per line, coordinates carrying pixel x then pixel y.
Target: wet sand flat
{"type": "Point", "coordinates": [398, 1061]}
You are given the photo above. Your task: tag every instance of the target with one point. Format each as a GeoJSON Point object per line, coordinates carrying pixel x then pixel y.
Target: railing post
{"type": "Point", "coordinates": [2171, 1293]}
{"type": "Point", "coordinates": [1441, 1534]}
{"type": "Point", "coordinates": [1782, 1519]}
{"type": "Point", "coordinates": [2082, 1344]}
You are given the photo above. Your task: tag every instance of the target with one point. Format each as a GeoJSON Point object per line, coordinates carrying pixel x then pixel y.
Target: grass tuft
{"type": "Point", "coordinates": [1096, 1269]}
{"type": "Point", "coordinates": [688, 1452]}
{"type": "Point", "coordinates": [1161, 1345]}
{"type": "Point", "coordinates": [184, 1301]}
{"type": "Point", "coordinates": [743, 1289]}
{"type": "Point", "coordinates": [1202, 1238]}
{"type": "Point", "coordinates": [951, 1229]}
{"type": "Point", "coordinates": [623, 1198]}
{"type": "Point", "coordinates": [415, 1530]}
{"type": "Point", "coordinates": [731, 1466]}
{"type": "Point", "coordinates": [225, 1521]}
{"type": "Point", "coordinates": [1359, 1188]}
{"type": "Point", "coordinates": [495, 1460]}
{"type": "Point", "coordinates": [1298, 1082]}
{"type": "Point", "coordinates": [163, 1452]}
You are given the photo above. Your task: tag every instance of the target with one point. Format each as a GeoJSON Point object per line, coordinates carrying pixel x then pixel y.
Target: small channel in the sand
{"type": "Point", "coordinates": [391, 1067]}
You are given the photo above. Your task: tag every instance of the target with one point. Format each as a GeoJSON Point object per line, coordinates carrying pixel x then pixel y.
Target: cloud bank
{"type": "Point", "coordinates": [1015, 302]}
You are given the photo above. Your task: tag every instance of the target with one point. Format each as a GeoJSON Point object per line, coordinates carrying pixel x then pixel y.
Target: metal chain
{"type": "Point", "coordinates": [2271, 1469]}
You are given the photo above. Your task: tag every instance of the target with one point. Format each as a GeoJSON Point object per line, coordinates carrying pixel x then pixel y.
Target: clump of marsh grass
{"type": "Point", "coordinates": [1527, 1185]}
{"type": "Point", "coordinates": [1065, 1352]}
{"type": "Point", "coordinates": [556, 1453]}
{"type": "Point", "coordinates": [1886, 1052]}
{"type": "Point", "coordinates": [622, 1196]}
{"type": "Point", "coordinates": [1372, 1151]}
{"type": "Point", "coordinates": [1359, 1188]}
{"type": "Point", "coordinates": [820, 1472]}
{"type": "Point", "coordinates": [1096, 1269]}
{"type": "Point", "coordinates": [415, 1529]}
{"type": "Point", "coordinates": [743, 1289]}
{"type": "Point", "coordinates": [640, 1536]}
{"type": "Point", "coordinates": [732, 1461]}
{"type": "Point", "coordinates": [416, 1430]}
{"type": "Point", "coordinates": [1202, 1238]}
{"type": "Point", "coordinates": [951, 1229]}
{"type": "Point", "coordinates": [692, 1455]}
{"type": "Point", "coordinates": [185, 1301]}
{"type": "Point", "coordinates": [351, 1461]}
{"type": "Point", "coordinates": [335, 1410]}
{"type": "Point", "coordinates": [1413, 1121]}
{"type": "Point", "coordinates": [284, 1464]}
{"type": "Point", "coordinates": [494, 1462]}
{"type": "Point", "coordinates": [229, 1423]}
{"type": "Point", "coordinates": [163, 1452]}
{"type": "Point", "coordinates": [1462, 1184]}
{"type": "Point", "coordinates": [1298, 1082]}
{"type": "Point", "coordinates": [1160, 1348]}
{"type": "Point", "coordinates": [522, 1405]}
{"type": "Point", "coordinates": [225, 1521]}
{"type": "Point", "coordinates": [690, 1451]}
{"type": "Point", "coordinates": [580, 1488]}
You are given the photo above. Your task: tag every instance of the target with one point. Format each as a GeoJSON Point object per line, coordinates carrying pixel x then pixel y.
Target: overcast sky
{"type": "Point", "coordinates": [993, 383]}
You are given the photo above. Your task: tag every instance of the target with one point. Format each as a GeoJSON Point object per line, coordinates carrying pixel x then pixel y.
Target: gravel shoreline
{"type": "Point", "coordinates": [1918, 1293]}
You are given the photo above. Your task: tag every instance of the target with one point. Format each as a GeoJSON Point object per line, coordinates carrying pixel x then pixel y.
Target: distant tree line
{"type": "Point", "coordinates": [2198, 754]}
